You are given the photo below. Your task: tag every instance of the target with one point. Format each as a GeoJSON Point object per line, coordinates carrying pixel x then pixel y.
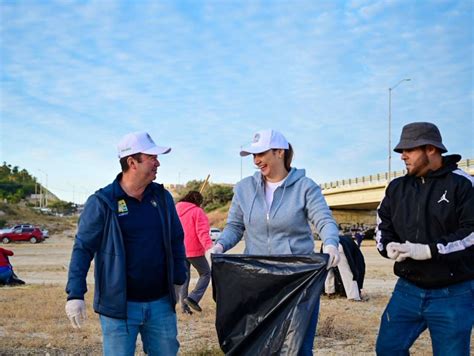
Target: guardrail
{"type": "Point", "coordinates": [382, 178]}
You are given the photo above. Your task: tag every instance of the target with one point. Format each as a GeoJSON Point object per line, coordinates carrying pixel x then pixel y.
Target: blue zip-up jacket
{"type": "Point", "coordinates": [285, 228]}
{"type": "Point", "coordinates": [99, 237]}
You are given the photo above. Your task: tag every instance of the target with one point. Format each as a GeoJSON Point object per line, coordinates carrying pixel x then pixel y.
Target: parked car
{"type": "Point", "coordinates": [215, 233]}
{"type": "Point", "coordinates": [45, 233]}
{"type": "Point", "coordinates": [32, 234]}
{"type": "Point", "coordinates": [21, 226]}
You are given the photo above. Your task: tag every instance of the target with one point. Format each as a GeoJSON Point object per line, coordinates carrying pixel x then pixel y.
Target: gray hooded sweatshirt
{"type": "Point", "coordinates": [284, 229]}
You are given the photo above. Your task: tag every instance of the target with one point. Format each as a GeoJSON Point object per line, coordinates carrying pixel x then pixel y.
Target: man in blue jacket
{"type": "Point", "coordinates": [426, 224]}
{"type": "Point", "coordinates": [132, 231]}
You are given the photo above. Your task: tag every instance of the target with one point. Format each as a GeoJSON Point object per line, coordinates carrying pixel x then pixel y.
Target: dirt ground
{"type": "Point", "coordinates": [344, 328]}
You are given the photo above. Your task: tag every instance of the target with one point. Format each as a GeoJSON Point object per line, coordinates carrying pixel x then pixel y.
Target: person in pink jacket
{"type": "Point", "coordinates": [197, 242]}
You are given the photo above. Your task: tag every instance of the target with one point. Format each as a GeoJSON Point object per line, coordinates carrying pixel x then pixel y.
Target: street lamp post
{"type": "Point", "coordinates": [241, 163]}
{"type": "Point", "coordinates": [45, 189]}
{"type": "Point", "coordinates": [390, 126]}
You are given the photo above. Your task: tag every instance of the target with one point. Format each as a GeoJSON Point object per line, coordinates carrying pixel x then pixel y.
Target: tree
{"type": "Point", "coordinates": [15, 184]}
{"type": "Point", "coordinates": [214, 195]}
{"type": "Point", "coordinates": [62, 207]}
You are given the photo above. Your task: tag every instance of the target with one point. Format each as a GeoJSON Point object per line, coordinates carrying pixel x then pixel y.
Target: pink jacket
{"type": "Point", "coordinates": [196, 229]}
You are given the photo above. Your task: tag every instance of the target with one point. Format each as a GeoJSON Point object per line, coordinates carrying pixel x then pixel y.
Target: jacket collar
{"type": "Point", "coordinates": [111, 193]}
{"type": "Point", "coordinates": [449, 165]}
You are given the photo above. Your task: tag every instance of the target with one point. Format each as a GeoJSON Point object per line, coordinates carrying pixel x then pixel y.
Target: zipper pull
{"type": "Point", "coordinates": [268, 216]}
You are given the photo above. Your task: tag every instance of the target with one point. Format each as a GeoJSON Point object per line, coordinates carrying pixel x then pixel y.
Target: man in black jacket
{"type": "Point", "coordinates": [426, 224]}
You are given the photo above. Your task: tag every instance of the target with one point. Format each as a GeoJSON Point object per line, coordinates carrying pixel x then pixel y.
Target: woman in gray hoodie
{"type": "Point", "coordinates": [274, 207]}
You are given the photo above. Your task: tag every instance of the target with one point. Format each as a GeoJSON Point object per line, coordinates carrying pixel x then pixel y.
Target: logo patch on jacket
{"type": "Point", "coordinates": [122, 207]}
{"type": "Point", "coordinates": [443, 198]}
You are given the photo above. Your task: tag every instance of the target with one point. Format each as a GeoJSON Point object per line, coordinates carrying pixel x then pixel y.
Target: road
{"type": "Point", "coordinates": [47, 262]}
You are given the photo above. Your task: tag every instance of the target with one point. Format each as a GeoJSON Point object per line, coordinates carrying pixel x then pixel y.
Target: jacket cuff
{"type": "Point", "coordinates": [72, 298]}
{"type": "Point", "coordinates": [331, 241]}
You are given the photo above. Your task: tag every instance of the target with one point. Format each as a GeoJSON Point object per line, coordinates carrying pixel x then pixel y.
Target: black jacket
{"type": "Point", "coordinates": [437, 210]}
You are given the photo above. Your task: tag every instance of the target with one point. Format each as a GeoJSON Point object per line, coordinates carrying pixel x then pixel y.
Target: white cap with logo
{"type": "Point", "coordinates": [265, 140]}
{"type": "Point", "coordinates": [139, 142]}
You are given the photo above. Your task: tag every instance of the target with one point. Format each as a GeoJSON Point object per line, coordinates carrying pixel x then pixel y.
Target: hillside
{"type": "Point", "coordinates": [218, 217]}
{"type": "Point", "coordinates": [15, 184]}
{"type": "Point", "coordinates": [13, 214]}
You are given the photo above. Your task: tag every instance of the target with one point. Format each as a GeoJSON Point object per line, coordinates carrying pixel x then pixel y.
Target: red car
{"type": "Point", "coordinates": [32, 234]}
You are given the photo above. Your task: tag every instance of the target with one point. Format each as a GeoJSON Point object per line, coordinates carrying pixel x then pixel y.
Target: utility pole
{"type": "Point", "coordinates": [390, 127]}
{"type": "Point", "coordinates": [241, 163]}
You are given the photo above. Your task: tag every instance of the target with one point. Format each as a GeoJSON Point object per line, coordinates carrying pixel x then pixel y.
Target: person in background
{"type": "Point", "coordinates": [350, 270]}
{"type": "Point", "coordinates": [426, 225]}
{"type": "Point", "coordinates": [197, 243]}
{"type": "Point", "coordinates": [6, 270]}
{"type": "Point", "coordinates": [132, 231]}
{"type": "Point", "coordinates": [359, 236]}
{"type": "Point", "coordinates": [274, 207]}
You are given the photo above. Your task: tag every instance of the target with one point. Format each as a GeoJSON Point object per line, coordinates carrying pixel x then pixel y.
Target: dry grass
{"type": "Point", "coordinates": [32, 319]}
{"type": "Point", "coordinates": [33, 322]}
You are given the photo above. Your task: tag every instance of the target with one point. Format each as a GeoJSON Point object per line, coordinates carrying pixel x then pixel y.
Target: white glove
{"type": "Point", "coordinates": [414, 251]}
{"type": "Point", "coordinates": [217, 248]}
{"type": "Point", "coordinates": [76, 312]}
{"type": "Point", "coordinates": [333, 253]}
{"type": "Point", "coordinates": [393, 250]}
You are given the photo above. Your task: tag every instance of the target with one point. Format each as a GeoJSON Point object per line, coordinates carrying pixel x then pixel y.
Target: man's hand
{"type": "Point", "coordinates": [414, 251]}
{"type": "Point", "coordinates": [76, 312]}
{"type": "Point", "coordinates": [333, 253]}
{"type": "Point", "coordinates": [393, 250]}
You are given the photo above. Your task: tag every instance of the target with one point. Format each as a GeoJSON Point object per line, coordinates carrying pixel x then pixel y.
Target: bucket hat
{"type": "Point", "coordinates": [419, 134]}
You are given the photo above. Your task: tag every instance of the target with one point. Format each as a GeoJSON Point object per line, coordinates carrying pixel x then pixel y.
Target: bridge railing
{"type": "Point", "coordinates": [382, 178]}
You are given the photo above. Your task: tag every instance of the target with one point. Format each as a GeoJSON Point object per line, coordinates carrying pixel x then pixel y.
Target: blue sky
{"type": "Point", "coordinates": [203, 76]}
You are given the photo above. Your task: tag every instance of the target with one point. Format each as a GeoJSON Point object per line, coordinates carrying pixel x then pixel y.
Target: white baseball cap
{"type": "Point", "coordinates": [265, 140]}
{"type": "Point", "coordinates": [139, 142]}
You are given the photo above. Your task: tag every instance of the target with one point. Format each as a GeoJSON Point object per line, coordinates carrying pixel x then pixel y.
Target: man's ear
{"type": "Point", "coordinates": [432, 151]}
{"type": "Point", "coordinates": [131, 162]}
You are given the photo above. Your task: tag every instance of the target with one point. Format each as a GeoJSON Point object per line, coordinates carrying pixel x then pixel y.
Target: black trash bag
{"type": "Point", "coordinates": [265, 303]}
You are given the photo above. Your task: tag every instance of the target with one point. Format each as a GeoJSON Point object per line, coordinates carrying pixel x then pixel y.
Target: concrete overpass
{"type": "Point", "coordinates": [365, 193]}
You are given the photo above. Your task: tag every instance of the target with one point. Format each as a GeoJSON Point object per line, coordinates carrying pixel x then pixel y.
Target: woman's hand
{"type": "Point", "coordinates": [333, 253]}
